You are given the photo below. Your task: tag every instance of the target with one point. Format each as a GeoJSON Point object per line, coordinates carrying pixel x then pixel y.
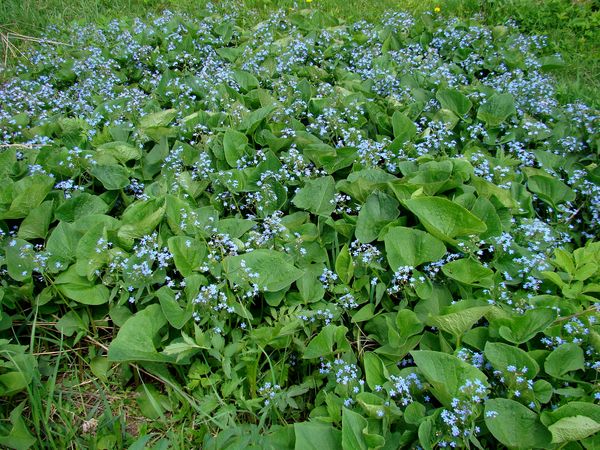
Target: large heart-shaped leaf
{"type": "Point", "coordinates": [444, 218]}
{"type": "Point", "coordinates": [379, 210]}
{"type": "Point", "coordinates": [80, 289]}
{"type": "Point", "coordinates": [515, 425]}
{"type": "Point", "coordinates": [446, 374]}
{"type": "Point", "coordinates": [135, 340]}
{"type": "Point", "coordinates": [268, 269]}
{"type": "Point", "coordinates": [411, 247]}
{"type": "Point", "coordinates": [317, 196]}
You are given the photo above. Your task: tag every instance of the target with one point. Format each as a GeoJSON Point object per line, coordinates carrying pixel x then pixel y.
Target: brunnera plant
{"type": "Point", "coordinates": [318, 234]}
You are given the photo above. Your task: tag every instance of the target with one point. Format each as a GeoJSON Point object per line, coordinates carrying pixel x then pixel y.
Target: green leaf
{"type": "Point", "coordinates": [411, 247]}
{"type": "Point", "coordinates": [151, 402]}
{"type": "Point", "coordinates": [309, 286]}
{"type": "Point", "coordinates": [112, 177]}
{"type": "Point", "coordinates": [234, 146]}
{"type": "Point", "coordinates": [80, 289]}
{"type": "Point", "coordinates": [367, 312]}
{"type": "Point", "coordinates": [330, 340]}
{"type": "Point", "coordinates": [344, 157]}
{"type": "Point", "coordinates": [378, 210]}
{"type": "Point", "coordinates": [28, 193]}
{"type": "Point", "coordinates": [563, 359]}
{"type": "Point", "coordinates": [35, 225]}
{"type": "Point", "coordinates": [100, 367]}
{"type": "Point", "coordinates": [574, 428]}
{"type": "Point", "coordinates": [235, 227]}
{"type": "Point", "coordinates": [89, 256]}
{"type": "Point", "coordinates": [73, 322]}
{"type": "Point", "coordinates": [470, 272]}
{"type": "Point", "coordinates": [543, 391]}
{"type": "Point", "coordinates": [317, 196]}
{"type": "Point", "coordinates": [460, 319]}
{"type": "Point", "coordinates": [19, 437]}
{"type": "Point", "coordinates": [252, 120]}
{"type": "Point", "coordinates": [173, 311]}
{"type": "Point", "coordinates": [407, 324]}
{"type": "Point", "coordinates": [353, 427]}
{"type": "Point", "coordinates": [18, 368]}
{"type": "Point", "coordinates": [273, 269]}
{"type": "Point", "coordinates": [433, 177]}
{"type": "Point", "coordinates": [550, 189]}
{"type": "Point", "coordinates": [496, 109]}
{"type": "Point", "coordinates": [370, 403]}
{"type": "Point", "coordinates": [446, 374]}
{"type": "Point", "coordinates": [486, 212]}
{"type": "Point", "coordinates": [374, 370]}
{"type": "Point", "coordinates": [344, 266]}
{"type": "Point", "coordinates": [246, 80]}
{"type": "Point", "coordinates": [141, 218]}
{"type": "Point", "coordinates": [414, 413]}
{"type": "Point", "coordinates": [80, 205]}
{"type": "Point", "coordinates": [455, 101]}
{"type": "Point", "coordinates": [120, 151]}
{"type": "Point", "coordinates": [19, 259]}
{"type": "Point", "coordinates": [502, 355]}
{"type": "Point", "coordinates": [188, 254]}
{"type": "Point", "coordinates": [523, 328]}
{"type": "Point", "coordinates": [62, 243]}
{"type": "Point", "coordinates": [427, 433]}
{"type": "Point", "coordinates": [590, 410]}
{"type": "Point", "coordinates": [444, 218]}
{"type": "Point", "coordinates": [135, 340]}
{"type": "Point", "coordinates": [404, 128]}
{"type": "Point", "coordinates": [158, 119]}
{"type": "Point", "coordinates": [317, 436]}
{"type": "Point", "coordinates": [515, 425]}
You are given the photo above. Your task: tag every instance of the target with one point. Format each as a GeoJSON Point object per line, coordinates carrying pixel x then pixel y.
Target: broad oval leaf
{"type": "Point", "coordinates": [443, 218]}
{"type": "Point", "coordinates": [563, 359]}
{"type": "Point", "coordinates": [135, 339]}
{"type": "Point", "coordinates": [460, 321]}
{"type": "Point", "coordinates": [80, 289]}
{"type": "Point", "coordinates": [502, 356]}
{"type": "Point", "coordinates": [446, 374]}
{"type": "Point", "coordinates": [515, 425]}
{"type": "Point", "coordinates": [468, 271]}
{"type": "Point", "coordinates": [112, 177]}
{"type": "Point", "coordinates": [523, 328]}
{"type": "Point", "coordinates": [379, 210]}
{"type": "Point", "coordinates": [188, 253]}
{"type": "Point", "coordinates": [268, 269]}
{"type": "Point", "coordinates": [317, 196]}
{"type": "Point", "coordinates": [317, 436]}
{"type": "Point", "coordinates": [496, 109]}
{"type": "Point", "coordinates": [574, 428]}
{"type": "Point", "coordinates": [454, 100]}
{"type": "Point", "coordinates": [121, 151]}
{"type": "Point", "coordinates": [411, 247]}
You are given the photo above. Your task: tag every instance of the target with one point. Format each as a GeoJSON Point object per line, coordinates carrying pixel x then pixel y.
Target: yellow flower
{"type": "Point", "coordinates": [308, 1]}
{"type": "Point", "coordinates": [437, 9]}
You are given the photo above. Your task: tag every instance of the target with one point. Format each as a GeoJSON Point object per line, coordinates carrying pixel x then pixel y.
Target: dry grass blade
{"type": "Point", "coordinates": [7, 34]}
{"type": "Point", "coordinates": [27, 146]}
{"type": "Point", "coordinates": [34, 39]}
{"type": "Point", "coordinates": [9, 47]}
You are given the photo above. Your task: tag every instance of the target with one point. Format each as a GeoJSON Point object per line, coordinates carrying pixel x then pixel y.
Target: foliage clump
{"type": "Point", "coordinates": [314, 233]}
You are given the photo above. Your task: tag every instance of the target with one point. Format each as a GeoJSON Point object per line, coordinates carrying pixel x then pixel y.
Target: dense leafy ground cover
{"type": "Point", "coordinates": [572, 26]}
{"type": "Point", "coordinates": [302, 234]}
